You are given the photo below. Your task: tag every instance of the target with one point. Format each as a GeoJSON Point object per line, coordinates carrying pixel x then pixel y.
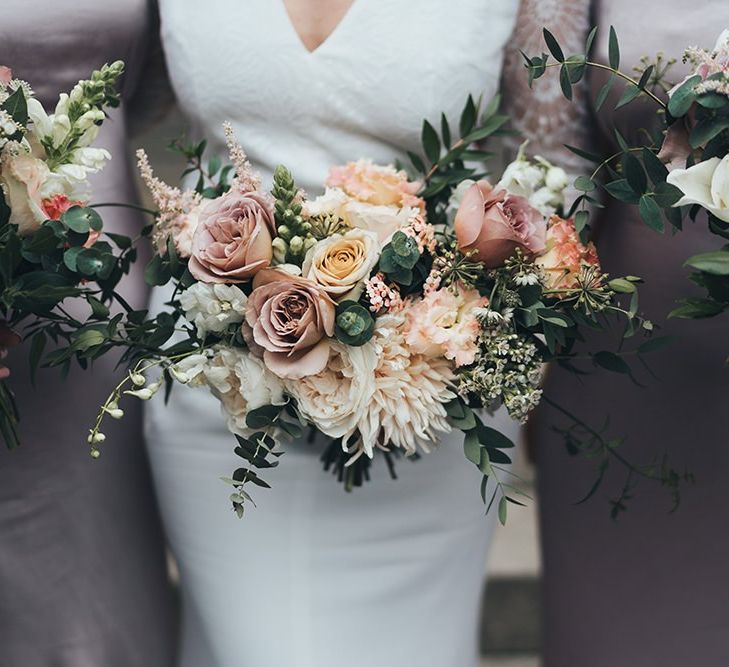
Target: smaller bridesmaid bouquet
{"type": "Point", "coordinates": [387, 311]}
{"type": "Point", "coordinates": [51, 247]}
{"type": "Point", "coordinates": [680, 171]}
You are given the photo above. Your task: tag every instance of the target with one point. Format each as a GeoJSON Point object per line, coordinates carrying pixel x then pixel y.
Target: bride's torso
{"type": "Point", "coordinates": [363, 93]}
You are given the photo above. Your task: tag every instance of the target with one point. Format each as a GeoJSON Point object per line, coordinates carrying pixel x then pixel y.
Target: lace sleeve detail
{"type": "Point", "coordinates": [542, 115]}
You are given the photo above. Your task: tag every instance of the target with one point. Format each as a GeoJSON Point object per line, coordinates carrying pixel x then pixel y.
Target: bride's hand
{"type": "Point", "coordinates": [8, 339]}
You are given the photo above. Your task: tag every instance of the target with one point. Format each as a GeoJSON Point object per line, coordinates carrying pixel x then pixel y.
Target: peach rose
{"type": "Point", "coordinates": [6, 75]}
{"type": "Point", "coordinates": [341, 264]}
{"type": "Point", "coordinates": [232, 240]}
{"type": "Point", "coordinates": [442, 323]}
{"type": "Point", "coordinates": [495, 223]}
{"type": "Point", "coordinates": [375, 184]}
{"type": "Point", "coordinates": [22, 178]}
{"type": "Point", "coordinates": [288, 321]}
{"type": "Point", "coordinates": [565, 255]}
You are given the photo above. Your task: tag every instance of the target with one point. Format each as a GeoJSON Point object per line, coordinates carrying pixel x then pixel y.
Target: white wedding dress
{"type": "Point", "coordinates": [391, 574]}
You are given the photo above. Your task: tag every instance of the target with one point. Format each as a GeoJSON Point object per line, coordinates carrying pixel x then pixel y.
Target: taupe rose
{"type": "Point", "coordinates": [495, 223]}
{"type": "Point", "coordinates": [232, 240]}
{"type": "Point", "coordinates": [289, 320]}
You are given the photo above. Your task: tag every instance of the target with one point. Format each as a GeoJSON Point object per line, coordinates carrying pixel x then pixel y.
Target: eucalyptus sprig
{"type": "Point", "coordinates": [445, 161]}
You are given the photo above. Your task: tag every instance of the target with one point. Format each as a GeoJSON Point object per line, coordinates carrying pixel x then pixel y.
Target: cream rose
{"type": "Point", "coordinates": [22, 178]}
{"type": "Point", "coordinates": [341, 264]}
{"type": "Point", "coordinates": [706, 184]}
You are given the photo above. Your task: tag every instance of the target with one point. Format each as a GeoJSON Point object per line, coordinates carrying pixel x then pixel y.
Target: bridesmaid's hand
{"type": "Point", "coordinates": [8, 339]}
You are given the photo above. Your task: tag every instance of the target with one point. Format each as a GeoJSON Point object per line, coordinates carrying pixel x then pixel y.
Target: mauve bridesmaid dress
{"type": "Point", "coordinates": [82, 571]}
{"type": "Point", "coordinates": [652, 589]}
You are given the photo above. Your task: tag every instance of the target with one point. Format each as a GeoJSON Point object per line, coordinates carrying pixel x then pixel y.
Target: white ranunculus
{"type": "Point", "coordinates": [341, 263]}
{"type": "Point", "coordinates": [241, 382]}
{"type": "Point", "coordinates": [213, 307]}
{"type": "Point", "coordinates": [706, 184]}
{"type": "Point", "coordinates": [336, 398]}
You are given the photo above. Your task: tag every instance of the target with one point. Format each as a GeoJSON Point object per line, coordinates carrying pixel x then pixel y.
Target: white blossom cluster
{"type": "Point", "coordinates": [508, 371]}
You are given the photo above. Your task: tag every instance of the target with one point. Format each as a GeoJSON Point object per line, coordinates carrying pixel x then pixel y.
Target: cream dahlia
{"type": "Point", "coordinates": [407, 408]}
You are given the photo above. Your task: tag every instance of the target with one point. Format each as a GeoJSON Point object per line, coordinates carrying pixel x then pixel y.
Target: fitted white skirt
{"type": "Point", "coordinates": [389, 575]}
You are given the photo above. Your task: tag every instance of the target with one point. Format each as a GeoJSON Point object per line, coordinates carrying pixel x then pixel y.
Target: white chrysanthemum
{"type": "Point", "coordinates": [407, 408]}
{"type": "Point", "coordinates": [213, 307]}
{"type": "Point", "coordinates": [241, 383]}
{"type": "Point", "coordinates": [336, 399]}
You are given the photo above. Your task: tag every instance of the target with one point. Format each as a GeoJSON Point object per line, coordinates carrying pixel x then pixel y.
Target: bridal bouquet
{"type": "Point", "coordinates": [382, 313]}
{"type": "Point", "coordinates": [50, 247]}
{"type": "Point", "coordinates": [682, 170]}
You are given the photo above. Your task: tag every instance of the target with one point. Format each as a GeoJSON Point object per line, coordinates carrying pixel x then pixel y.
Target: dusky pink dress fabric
{"type": "Point", "coordinates": [652, 589]}
{"type": "Point", "coordinates": [82, 573]}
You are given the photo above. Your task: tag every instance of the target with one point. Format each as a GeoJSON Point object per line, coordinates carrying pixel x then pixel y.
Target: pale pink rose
{"type": "Point", "coordinates": [232, 240]}
{"type": "Point", "coordinates": [443, 323]}
{"type": "Point", "coordinates": [289, 319]}
{"type": "Point", "coordinates": [6, 75]}
{"type": "Point", "coordinates": [495, 223]}
{"type": "Point", "coordinates": [375, 184]}
{"type": "Point", "coordinates": [22, 178]}
{"type": "Point", "coordinates": [565, 255]}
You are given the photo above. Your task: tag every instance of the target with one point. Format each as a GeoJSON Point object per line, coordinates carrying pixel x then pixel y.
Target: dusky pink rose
{"type": "Point", "coordinates": [232, 240]}
{"type": "Point", "coordinates": [6, 75]}
{"type": "Point", "coordinates": [495, 223]}
{"type": "Point", "coordinates": [290, 319]}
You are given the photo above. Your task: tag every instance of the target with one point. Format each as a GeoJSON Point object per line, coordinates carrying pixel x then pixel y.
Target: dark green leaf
{"type": "Point", "coordinates": [604, 92]}
{"type": "Point", "coordinates": [613, 49]}
{"type": "Point", "coordinates": [651, 213]}
{"type": "Point", "coordinates": [716, 263]}
{"type": "Point", "coordinates": [564, 82]}
{"type": "Point", "coordinates": [611, 362]}
{"type": "Point", "coordinates": [553, 45]}
{"type": "Point", "coordinates": [431, 142]}
{"type": "Point", "coordinates": [683, 97]}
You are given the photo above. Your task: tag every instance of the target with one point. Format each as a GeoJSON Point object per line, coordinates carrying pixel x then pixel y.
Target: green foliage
{"type": "Point", "coordinates": [354, 324]}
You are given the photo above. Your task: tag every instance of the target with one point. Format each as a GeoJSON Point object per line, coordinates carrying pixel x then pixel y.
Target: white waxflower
{"type": "Point", "coordinates": [213, 307]}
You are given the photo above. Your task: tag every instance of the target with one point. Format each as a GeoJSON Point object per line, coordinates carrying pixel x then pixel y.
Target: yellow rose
{"type": "Point", "coordinates": [341, 264]}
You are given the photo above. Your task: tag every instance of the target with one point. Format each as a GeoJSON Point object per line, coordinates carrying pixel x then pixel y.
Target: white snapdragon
{"type": "Point", "coordinates": [213, 307]}
{"type": "Point", "coordinates": [190, 370]}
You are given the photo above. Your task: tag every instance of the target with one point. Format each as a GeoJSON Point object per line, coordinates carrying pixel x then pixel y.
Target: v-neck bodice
{"type": "Point", "coordinates": [363, 93]}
